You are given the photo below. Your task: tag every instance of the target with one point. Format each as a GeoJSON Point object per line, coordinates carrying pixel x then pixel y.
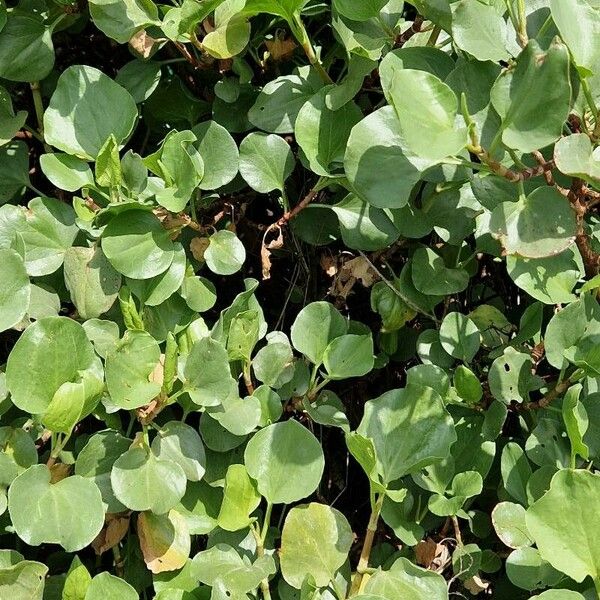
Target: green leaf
{"type": "Point", "coordinates": [431, 276]}
{"type": "Point", "coordinates": [349, 356]}
{"type": "Point", "coordinates": [279, 102]}
{"type": "Point", "coordinates": [387, 301]}
{"type": "Point", "coordinates": [564, 537]}
{"type": "Point", "coordinates": [266, 161]}
{"type": "Point", "coordinates": [540, 225]}
{"type": "Point", "coordinates": [479, 29]}
{"type": "Point", "coordinates": [156, 290]}
{"type": "Point", "coordinates": [364, 227]}
{"type": "Point", "coordinates": [273, 364]}
{"type": "Point", "coordinates": [10, 122]}
{"type": "Point", "coordinates": [137, 247]}
{"type": "Point", "coordinates": [509, 523]}
{"type": "Point", "coordinates": [516, 472]}
{"type": "Point", "coordinates": [208, 378]}
{"type": "Point", "coordinates": [240, 499]}
{"type": "Point", "coordinates": [558, 595]}
{"type": "Point", "coordinates": [85, 109]}
{"type": "Point", "coordinates": [65, 171]}
{"type": "Point", "coordinates": [105, 585]}
{"type": "Point", "coordinates": [405, 580]}
{"type": "Point", "coordinates": [54, 352]}
{"type": "Point", "coordinates": [551, 279]}
{"type": "Point", "coordinates": [91, 281]}
{"type": "Point", "coordinates": [315, 540]}
{"type": "Point", "coordinates": [363, 450]}
{"type": "Point", "coordinates": [467, 385]}
{"type": "Point", "coordinates": [77, 581]}
{"type": "Point", "coordinates": [222, 566]}
{"type": "Point", "coordinates": [15, 291]}
{"type": "Point", "coordinates": [121, 19]}
{"type": "Point", "coordinates": [286, 460]}
{"type": "Point", "coordinates": [14, 169]}
{"type": "Point", "coordinates": [23, 581]}
{"type": "Point", "coordinates": [361, 11]}
{"type": "Point", "coordinates": [316, 325]}
{"type": "Point", "coordinates": [179, 164]}
{"type": "Point", "coordinates": [26, 50]}
{"type": "Point", "coordinates": [575, 156]}
{"type": "Point", "coordinates": [219, 153]}
{"type": "Point", "coordinates": [230, 35]}
{"type": "Point", "coordinates": [129, 366]}
{"type": "Point", "coordinates": [534, 120]}
{"type": "Point", "coordinates": [69, 512]}
{"type": "Point", "coordinates": [108, 164]}
{"type": "Point", "coordinates": [377, 145]}
{"type": "Point", "coordinates": [199, 293]}
{"type": "Point", "coordinates": [510, 377]}
{"type": "Point", "coordinates": [576, 422]}
{"type": "Point", "coordinates": [142, 481]}
{"type": "Point", "coordinates": [95, 461]}
{"type": "Point", "coordinates": [182, 445]}
{"type": "Point", "coordinates": [49, 231]}
{"type": "Point", "coordinates": [579, 24]}
{"type": "Point", "coordinates": [225, 254]}
{"type": "Point", "coordinates": [426, 108]}
{"type": "Point", "coordinates": [410, 429]}
{"type": "Point", "coordinates": [459, 336]}
{"type": "Point", "coordinates": [140, 78]}
{"type": "Point", "coordinates": [323, 133]}
{"type": "Point", "coordinates": [526, 569]}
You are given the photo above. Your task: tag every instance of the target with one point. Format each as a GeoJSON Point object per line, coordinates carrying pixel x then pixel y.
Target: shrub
{"type": "Point", "coordinates": [299, 299]}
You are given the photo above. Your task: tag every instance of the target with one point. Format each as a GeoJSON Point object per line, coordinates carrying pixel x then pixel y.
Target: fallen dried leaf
{"type": "Point", "coordinates": [265, 251]}
{"type": "Point", "coordinates": [114, 530]}
{"type": "Point", "coordinates": [198, 247]}
{"type": "Point", "coordinates": [143, 44]}
{"type": "Point", "coordinates": [59, 471]}
{"type": "Point", "coordinates": [280, 49]}
{"type": "Point", "coordinates": [476, 585]}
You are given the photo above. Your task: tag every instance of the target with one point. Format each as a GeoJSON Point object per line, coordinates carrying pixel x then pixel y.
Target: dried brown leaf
{"type": "Point", "coordinates": [114, 530]}
{"type": "Point", "coordinates": [265, 251]}
{"type": "Point", "coordinates": [198, 247]}
{"type": "Point", "coordinates": [476, 585]}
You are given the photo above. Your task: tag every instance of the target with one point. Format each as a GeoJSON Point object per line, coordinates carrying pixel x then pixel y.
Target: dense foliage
{"type": "Point", "coordinates": [299, 299]}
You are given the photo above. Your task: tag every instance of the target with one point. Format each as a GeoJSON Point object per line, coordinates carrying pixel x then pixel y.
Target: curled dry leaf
{"type": "Point", "coordinates": [198, 247]}
{"type": "Point", "coordinates": [265, 250]}
{"type": "Point", "coordinates": [114, 530]}
{"type": "Point", "coordinates": [476, 585]}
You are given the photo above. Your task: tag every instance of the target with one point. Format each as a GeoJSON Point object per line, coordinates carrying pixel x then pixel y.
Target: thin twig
{"type": "Point", "coordinates": [363, 561]}
{"type": "Point", "coordinates": [410, 32]}
{"type": "Point", "coordinates": [39, 111]}
{"type": "Point", "coordinates": [457, 533]}
{"type": "Point", "coordinates": [556, 392]}
{"type": "Point", "coordinates": [396, 290]}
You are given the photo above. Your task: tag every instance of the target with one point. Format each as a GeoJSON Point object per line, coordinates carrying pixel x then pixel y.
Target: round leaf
{"type": "Point", "coordinates": [225, 254]}
{"type": "Point", "coordinates": [69, 512]}
{"type": "Point", "coordinates": [15, 291]}
{"type": "Point", "coordinates": [141, 481]}
{"type": "Point", "coordinates": [286, 460]}
{"type": "Point", "coordinates": [52, 352]}
{"type": "Point", "coordinates": [266, 161]}
{"type": "Point", "coordinates": [315, 541]}
{"type": "Point", "coordinates": [137, 245]}
{"type": "Point", "coordinates": [86, 108]}
{"type": "Point", "coordinates": [459, 336]}
{"type": "Point", "coordinates": [316, 325]}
